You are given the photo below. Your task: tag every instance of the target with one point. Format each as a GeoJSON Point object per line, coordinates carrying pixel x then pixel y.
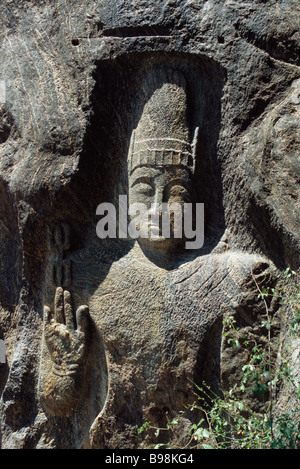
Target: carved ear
{"type": "Point", "coordinates": [194, 147]}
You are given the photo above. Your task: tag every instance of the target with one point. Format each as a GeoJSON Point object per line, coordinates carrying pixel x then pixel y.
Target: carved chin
{"type": "Point", "coordinates": [160, 243]}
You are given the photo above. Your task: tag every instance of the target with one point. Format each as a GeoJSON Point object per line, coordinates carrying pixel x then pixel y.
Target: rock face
{"type": "Point", "coordinates": [194, 100]}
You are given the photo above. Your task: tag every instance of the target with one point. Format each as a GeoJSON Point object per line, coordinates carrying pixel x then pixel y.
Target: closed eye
{"type": "Point", "coordinates": [143, 185]}
{"type": "Point", "coordinates": [144, 188]}
{"type": "Point", "coordinates": [179, 192]}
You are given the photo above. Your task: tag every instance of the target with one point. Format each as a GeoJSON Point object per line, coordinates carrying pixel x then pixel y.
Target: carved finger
{"type": "Point", "coordinates": [59, 305]}
{"type": "Point", "coordinates": [68, 310]}
{"type": "Point", "coordinates": [82, 318]}
{"type": "Point", "coordinates": [49, 328]}
{"type": "Point", "coordinates": [47, 314]}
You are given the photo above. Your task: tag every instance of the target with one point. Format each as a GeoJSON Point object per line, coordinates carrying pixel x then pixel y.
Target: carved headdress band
{"type": "Point", "coordinates": [160, 152]}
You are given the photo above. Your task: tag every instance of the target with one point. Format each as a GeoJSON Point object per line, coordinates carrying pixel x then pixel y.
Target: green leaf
{"type": "Point", "coordinates": [159, 445]}
{"type": "Point", "coordinates": [193, 427]}
{"type": "Point", "coordinates": [143, 427]}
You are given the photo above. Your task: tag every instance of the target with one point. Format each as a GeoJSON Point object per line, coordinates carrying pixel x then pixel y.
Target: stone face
{"type": "Point", "coordinates": [82, 90]}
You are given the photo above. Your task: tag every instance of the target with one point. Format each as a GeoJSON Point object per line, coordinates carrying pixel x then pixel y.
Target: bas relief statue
{"type": "Point", "coordinates": [153, 327]}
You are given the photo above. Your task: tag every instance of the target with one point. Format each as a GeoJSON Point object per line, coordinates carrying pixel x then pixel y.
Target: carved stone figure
{"type": "Point", "coordinates": [151, 308]}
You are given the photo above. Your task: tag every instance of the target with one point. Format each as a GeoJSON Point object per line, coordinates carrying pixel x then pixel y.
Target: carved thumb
{"type": "Point", "coordinates": [82, 318]}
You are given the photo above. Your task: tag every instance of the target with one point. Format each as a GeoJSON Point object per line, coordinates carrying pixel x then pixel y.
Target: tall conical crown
{"type": "Point", "coordinates": [162, 136]}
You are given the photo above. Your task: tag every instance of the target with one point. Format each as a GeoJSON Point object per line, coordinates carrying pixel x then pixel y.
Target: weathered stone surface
{"type": "Point", "coordinates": [75, 82]}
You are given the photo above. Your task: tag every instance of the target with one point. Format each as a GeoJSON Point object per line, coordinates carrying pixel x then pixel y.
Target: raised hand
{"type": "Point", "coordinates": [66, 336]}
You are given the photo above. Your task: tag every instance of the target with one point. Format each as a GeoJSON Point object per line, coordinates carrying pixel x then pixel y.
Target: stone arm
{"type": "Point", "coordinates": [66, 338]}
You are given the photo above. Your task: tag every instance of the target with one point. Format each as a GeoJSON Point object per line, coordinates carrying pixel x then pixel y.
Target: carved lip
{"type": "Point", "coordinates": [155, 229]}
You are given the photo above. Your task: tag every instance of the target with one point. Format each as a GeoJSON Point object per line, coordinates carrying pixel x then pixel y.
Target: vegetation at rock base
{"type": "Point", "coordinates": [228, 421]}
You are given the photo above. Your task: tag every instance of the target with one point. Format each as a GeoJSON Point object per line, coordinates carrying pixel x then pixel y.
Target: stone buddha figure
{"type": "Point", "coordinates": [157, 313]}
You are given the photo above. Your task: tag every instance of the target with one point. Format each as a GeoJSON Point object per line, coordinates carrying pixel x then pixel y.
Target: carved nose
{"type": "Point", "coordinates": [155, 211]}
{"type": "Point", "coordinates": [158, 198]}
